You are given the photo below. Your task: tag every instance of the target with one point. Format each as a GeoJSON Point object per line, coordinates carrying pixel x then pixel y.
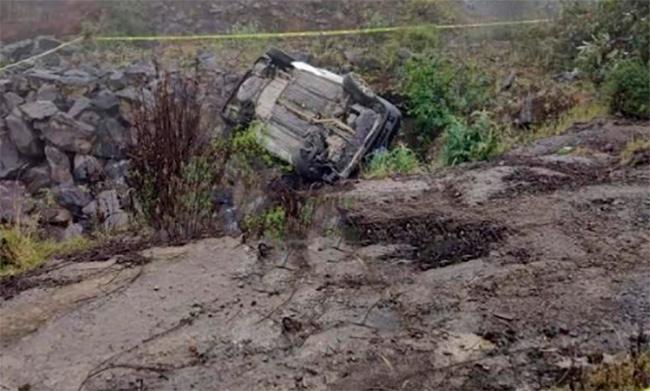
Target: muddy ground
{"type": "Point", "coordinates": [507, 275]}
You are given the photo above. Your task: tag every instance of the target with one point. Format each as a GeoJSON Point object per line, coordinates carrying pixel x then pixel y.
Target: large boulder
{"type": "Point", "coordinates": [72, 198]}
{"type": "Point", "coordinates": [48, 92]}
{"type": "Point", "coordinates": [87, 168]}
{"type": "Point", "coordinates": [107, 102]}
{"type": "Point", "coordinates": [109, 211]}
{"type": "Point", "coordinates": [23, 137]}
{"type": "Point", "coordinates": [79, 106]}
{"type": "Point", "coordinates": [116, 80]}
{"type": "Point", "coordinates": [11, 162]}
{"type": "Point", "coordinates": [68, 134]}
{"type": "Point", "coordinates": [59, 163]}
{"type": "Point", "coordinates": [18, 50]}
{"type": "Point", "coordinates": [39, 110]}
{"type": "Point", "coordinates": [45, 43]}
{"type": "Point", "coordinates": [12, 100]}
{"type": "Point", "coordinates": [112, 139]}
{"type": "Point", "coordinates": [37, 178]}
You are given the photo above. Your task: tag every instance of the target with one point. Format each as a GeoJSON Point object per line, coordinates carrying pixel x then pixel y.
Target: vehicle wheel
{"type": "Point", "coordinates": [280, 58]}
{"type": "Point", "coordinates": [359, 89]}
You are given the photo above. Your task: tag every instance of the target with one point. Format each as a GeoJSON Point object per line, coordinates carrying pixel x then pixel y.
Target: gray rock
{"type": "Point", "coordinates": [72, 198]}
{"type": "Point", "coordinates": [23, 137]}
{"type": "Point", "coordinates": [50, 60]}
{"type": "Point", "coordinates": [108, 203]}
{"type": "Point", "coordinates": [80, 104]}
{"type": "Point", "coordinates": [40, 75]}
{"type": "Point", "coordinates": [11, 162]}
{"type": "Point", "coordinates": [55, 216]}
{"type": "Point", "coordinates": [13, 201]}
{"type": "Point", "coordinates": [111, 140]}
{"type": "Point", "coordinates": [73, 231]}
{"type": "Point", "coordinates": [44, 43]}
{"type": "Point", "coordinates": [129, 93]}
{"type": "Point", "coordinates": [37, 178]}
{"type": "Point", "coordinates": [39, 110]}
{"type": "Point", "coordinates": [59, 164]}
{"type": "Point", "coordinates": [12, 100]}
{"type": "Point", "coordinates": [87, 168]}
{"type": "Point", "coordinates": [76, 77]}
{"type": "Point", "coordinates": [115, 170]}
{"type": "Point", "coordinates": [138, 72]}
{"type": "Point", "coordinates": [90, 117]}
{"type": "Point", "coordinates": [90, 210]}
{"type": "Point", "coordinates": [48, 92]}
{"type": "Point", "coordinates": [116, 80]}
{"type": "Point", "coordinates": [107, 101]}
{"type": "Point", "coordinates": [69, 134]}
{"type": "Point", "coordinates": [5, 85]}
{"type": "Point", "coordinates": [117, 222]}
{"type": "Point", "coordinates": [18, 50]}
{"type": "Point", "coordinates": [526, 113]}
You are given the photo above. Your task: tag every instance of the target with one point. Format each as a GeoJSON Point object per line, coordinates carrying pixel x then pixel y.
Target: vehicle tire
{"type": "Point", "coordinates": [280, 58]}
{"type": "Point", "coordinates": [359, 90]}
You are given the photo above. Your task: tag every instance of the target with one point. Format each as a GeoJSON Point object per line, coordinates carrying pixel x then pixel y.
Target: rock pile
{"type": "Point", "coordinates": [65, 133]}
{"type": "Point", "coordinates": [64, 136]}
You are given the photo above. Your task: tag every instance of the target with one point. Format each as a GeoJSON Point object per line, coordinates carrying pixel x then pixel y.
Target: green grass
{"type": "Point", "coordinates": [580, 113]}
{"type": "Point", "coordinates": [633, 149]}
{"type": "Point", "coordinates": [464, 142]}
{"type": "Point", "coordinates": [22, 250]}
{"type": "Point", "coordinates": [400, 160]}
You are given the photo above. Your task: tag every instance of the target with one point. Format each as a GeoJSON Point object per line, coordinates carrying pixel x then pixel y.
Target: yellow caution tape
{"type": "Point", "coordinates": [302, 34]}
{"type": "Point", "coordinates": [292, 34]}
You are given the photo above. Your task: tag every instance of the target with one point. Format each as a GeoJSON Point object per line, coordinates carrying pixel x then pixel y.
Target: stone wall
{"type": "Point", "coordinates": [64, 137]}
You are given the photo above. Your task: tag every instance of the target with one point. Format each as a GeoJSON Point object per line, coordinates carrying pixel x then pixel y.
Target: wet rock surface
{"type": "Point", "coordinates": [537, 280]}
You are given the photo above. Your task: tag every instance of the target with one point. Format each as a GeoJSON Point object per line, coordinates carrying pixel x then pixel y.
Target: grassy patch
{"type": "Point", "coordinates": [635, 151]}
{"type": "Point", "coordinates": [400, 160]}
{"type": "Point", "coordinates": [632, 374]}
{"type": "Point", "coordinates": [580, 113]}
{"type": "Point", "coordinates": [21, 250]}
{"type": "Point", "coordinates": [271, 223]}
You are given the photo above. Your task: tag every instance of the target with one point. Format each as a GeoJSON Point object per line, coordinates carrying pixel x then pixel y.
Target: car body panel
{"type": "Point", "coordinates": [309, 118]}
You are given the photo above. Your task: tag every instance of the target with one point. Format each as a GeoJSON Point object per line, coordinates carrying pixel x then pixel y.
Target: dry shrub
{"type": "Point", "coordinates": [174, 166]}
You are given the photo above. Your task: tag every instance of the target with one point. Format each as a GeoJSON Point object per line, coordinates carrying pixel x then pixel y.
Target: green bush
{"type": "Point", "coordinates": [463, 142]}
{"type": "Point", "coordinates": [400, 160]}
{"type": "Point", "coordinates": [627, 87]}
{"type": "Point", "coordinates": [594, 34]}
{"type": "Point", "coordinates": [438, 90]}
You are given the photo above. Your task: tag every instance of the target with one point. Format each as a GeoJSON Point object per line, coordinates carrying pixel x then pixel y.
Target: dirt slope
{"type": "Point", "coordinates": [498, 276]}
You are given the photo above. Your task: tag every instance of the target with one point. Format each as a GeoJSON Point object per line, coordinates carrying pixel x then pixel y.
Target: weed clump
{"type": "Point", "coordinates": [174, 166]}
{"type": "Point", "coordinates": [463, 142]}
{"type": "Point", "coordinates": [400, 160]}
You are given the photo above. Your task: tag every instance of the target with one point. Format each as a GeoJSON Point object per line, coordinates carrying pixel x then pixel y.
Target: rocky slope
{"type": "Point", "coordinates": [514, 274]}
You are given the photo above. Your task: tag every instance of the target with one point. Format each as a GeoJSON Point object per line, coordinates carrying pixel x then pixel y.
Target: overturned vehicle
{"type": "Point", "coordinates": [320, 122]}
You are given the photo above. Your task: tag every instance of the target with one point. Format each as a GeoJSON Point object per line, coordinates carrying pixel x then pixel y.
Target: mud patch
{"type": "Point", "coordinates": [432, 241]}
